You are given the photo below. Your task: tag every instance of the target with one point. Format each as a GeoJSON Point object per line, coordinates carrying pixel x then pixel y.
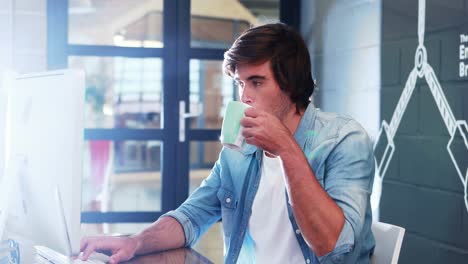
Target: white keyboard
{"type": "Point", "coordinates": [48, 255]}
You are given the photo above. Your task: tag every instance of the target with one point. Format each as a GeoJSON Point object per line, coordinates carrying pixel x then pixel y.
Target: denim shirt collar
{"type": "Point", "coordinates": [248, 149]}
{"type": "Point", "coordinates": [305, 125]}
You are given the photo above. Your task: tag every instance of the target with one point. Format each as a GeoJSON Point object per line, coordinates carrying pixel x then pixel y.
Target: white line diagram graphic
{"type": "Point", "coordinates": [456, 128]}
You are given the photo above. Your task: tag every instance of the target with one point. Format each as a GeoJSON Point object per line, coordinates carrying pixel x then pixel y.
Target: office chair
{"type": "Point", "coordinates": [388, 240]}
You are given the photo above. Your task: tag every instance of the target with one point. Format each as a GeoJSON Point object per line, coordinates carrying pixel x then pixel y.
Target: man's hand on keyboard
{"type": "Point", "coordinates": [122, 248]}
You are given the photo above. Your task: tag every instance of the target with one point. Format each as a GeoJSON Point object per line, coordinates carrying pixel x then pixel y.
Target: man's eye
{"type": "Point", "coordinates": [239, 84]}
{"type": "Point", "coordinates": [256, 83]}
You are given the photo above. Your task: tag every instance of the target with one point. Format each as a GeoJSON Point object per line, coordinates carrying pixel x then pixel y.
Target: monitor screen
{"type": "Point", "coordinates": [3, 185]}
{"type": "Point", "coordinates": [3, 98]}
{"type": "Point", "coordinates": [44, 135]}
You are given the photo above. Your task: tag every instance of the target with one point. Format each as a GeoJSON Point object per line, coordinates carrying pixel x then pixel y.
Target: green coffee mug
{"type": "Point", "coordinates": [231, 131]}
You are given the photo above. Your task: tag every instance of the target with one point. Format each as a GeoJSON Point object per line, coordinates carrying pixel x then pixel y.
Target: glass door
{"type": "Point", "coordinates": [155, 96]}
{"type": "Point", "coordinates": [128, 51]}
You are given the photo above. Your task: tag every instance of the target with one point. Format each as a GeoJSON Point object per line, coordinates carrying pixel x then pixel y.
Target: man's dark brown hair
{"type": "Point", "coordinates": [287, 52]}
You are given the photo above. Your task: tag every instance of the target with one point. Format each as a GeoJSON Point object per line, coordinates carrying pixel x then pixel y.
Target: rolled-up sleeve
{"type": "Point", "coordinates": [348, 178]}
{"type": "Point", "coordinates": [201, 209]}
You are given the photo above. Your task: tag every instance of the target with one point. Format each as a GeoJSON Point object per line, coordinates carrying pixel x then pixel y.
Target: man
{"type": "Point", "coordinates": [298, 192]}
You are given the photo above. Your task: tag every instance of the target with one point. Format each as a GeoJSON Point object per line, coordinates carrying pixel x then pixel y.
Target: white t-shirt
{"type": "Point", "coordinates": [269, 225]}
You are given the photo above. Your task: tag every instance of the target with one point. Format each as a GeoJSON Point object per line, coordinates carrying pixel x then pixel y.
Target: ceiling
{"type": "Point", "coordinates": [97, 21]}
{"type": "Point", "coordinates": [268, 9]}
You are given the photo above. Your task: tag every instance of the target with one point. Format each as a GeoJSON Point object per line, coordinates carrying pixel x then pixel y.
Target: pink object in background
{"type": "Point", "coordinates": [100, 153]}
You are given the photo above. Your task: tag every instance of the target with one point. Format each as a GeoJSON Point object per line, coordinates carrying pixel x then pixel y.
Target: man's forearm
{"type": "Point", "coordinates": [318, 216]}
{"type": "Point", "coordinates": [166, 233]}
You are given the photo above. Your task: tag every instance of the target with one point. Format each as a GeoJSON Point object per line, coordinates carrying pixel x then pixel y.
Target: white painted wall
{"type": "Point", "coordinates": [344, 41]}
{"type": "Point", "coordinates": [23, 34]}
{"type": "Point", "coordinates": [344, 38]}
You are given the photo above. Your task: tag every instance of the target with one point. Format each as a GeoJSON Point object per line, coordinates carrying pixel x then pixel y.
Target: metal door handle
{"type": "Point", "coordinates": [183, 115]}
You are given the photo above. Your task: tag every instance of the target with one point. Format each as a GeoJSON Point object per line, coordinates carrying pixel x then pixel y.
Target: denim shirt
{"type": "Point", "coordinates": [341, 156]}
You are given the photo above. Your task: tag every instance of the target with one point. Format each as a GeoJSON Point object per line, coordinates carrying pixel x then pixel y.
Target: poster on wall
{"type": "Point", "coordinates": [457, 128]}
{"type": "Point", "coordinates": [422, 146]}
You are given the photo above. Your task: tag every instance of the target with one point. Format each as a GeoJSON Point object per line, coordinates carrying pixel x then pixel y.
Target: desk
{"type": "Point", "coordinates": [27, 255]}
{"type": "Point", "coordinates": [175, 256]}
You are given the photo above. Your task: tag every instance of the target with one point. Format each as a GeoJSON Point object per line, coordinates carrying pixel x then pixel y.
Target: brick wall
{"type": "Point", "coordinates": [422, 190]}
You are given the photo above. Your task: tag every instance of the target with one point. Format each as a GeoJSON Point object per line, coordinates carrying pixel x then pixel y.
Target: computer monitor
{"type": "Point", "coordinates": [3, 185]}
{"type": "Point", "coordinates": [45, 149]}
{"type": "Point", "coordinates": [3, 98]}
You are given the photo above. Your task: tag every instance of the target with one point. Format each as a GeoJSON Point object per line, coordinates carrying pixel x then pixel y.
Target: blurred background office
{"type": "Point", "coordinates": [155, 94]}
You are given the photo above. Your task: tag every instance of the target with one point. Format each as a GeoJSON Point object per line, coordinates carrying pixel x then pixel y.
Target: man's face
{"type": "Point", "coordinates": [258, 88]}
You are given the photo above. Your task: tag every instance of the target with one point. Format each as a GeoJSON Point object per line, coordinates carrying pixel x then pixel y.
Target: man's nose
{"type": "Point", "coordinates": [246, 96]}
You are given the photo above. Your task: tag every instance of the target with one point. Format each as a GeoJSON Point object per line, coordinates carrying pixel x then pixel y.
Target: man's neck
{"type": "Point", "coordinates": [292, 119]}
